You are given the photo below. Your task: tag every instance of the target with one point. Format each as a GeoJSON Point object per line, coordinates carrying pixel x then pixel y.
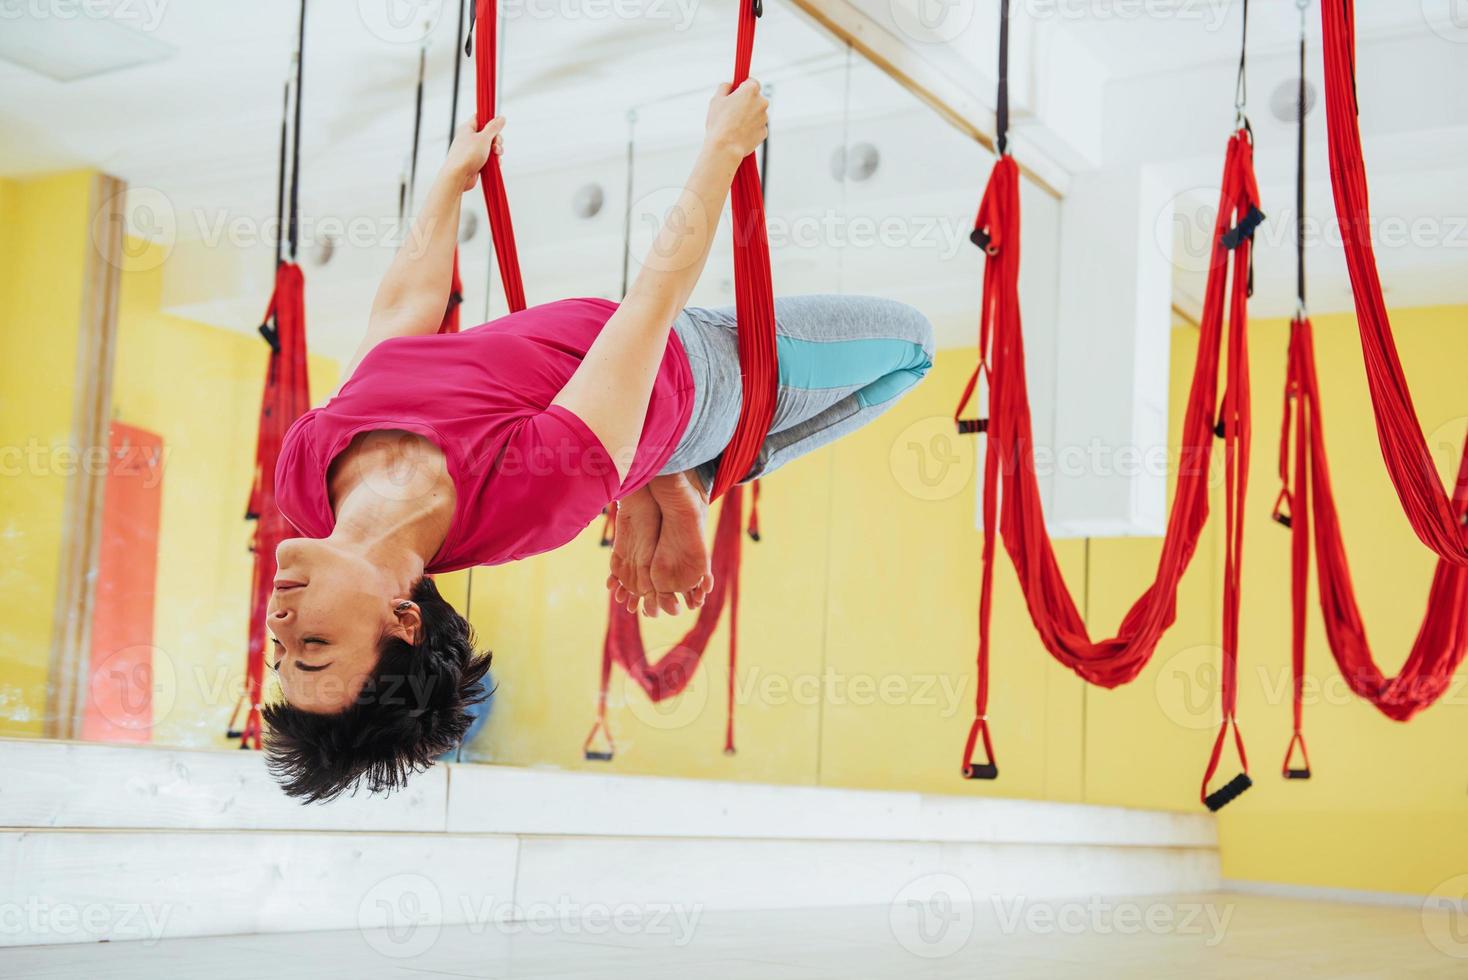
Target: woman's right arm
{"type": "Point", "coordinates": [612, 386]}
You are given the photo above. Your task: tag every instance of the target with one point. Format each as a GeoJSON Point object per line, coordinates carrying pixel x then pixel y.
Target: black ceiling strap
{"type": "Point", "coordinates": [295, 212]}
{"type": "Point", "coordinates": [285, 113]}
{"type": "Point", "coordinates": [408, 183]}
{"type": "Point", "coordinates": [1300, 178]}
{"type": "Point", "coordinates": [1241, 86]}
{"type": "Point", "coordinates": [458, 69]}
{"type": "Point", "coordinates": [1001, 109]}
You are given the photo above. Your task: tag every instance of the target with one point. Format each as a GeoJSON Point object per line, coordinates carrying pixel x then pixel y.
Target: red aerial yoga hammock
{"type": "Point", "coordinates": [1016, 512]}
{"type": "Point", "coordinates": [1306, 496]}
{"type": "Point", "coordinates": [1434, 516]}
{"type": "Point", "coordinates": [755, 311]}
{"type": "Point", "coordinates": [286, 397]}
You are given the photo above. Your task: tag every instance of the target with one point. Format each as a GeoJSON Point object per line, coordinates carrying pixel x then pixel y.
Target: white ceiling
{"type": "Point", "coordinates": [198, 131]}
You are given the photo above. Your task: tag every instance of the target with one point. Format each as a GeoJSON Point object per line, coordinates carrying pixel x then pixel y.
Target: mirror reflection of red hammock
{"type": "Point", "coordinates": [1015, 515]}
{"type": "Point", "coordinates": [287, 393]}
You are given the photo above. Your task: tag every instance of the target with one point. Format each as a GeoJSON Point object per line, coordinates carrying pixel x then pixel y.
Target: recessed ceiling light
{"type": "Point", "coordinates": [68, 43]}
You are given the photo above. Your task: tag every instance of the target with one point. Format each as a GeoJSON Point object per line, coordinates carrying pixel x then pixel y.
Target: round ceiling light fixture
{"type": "Point", "coordinates": [587, 202]}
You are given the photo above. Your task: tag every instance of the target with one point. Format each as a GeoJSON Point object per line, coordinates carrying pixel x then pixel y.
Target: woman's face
{"type": "Point", "coordinates": [326, 618]}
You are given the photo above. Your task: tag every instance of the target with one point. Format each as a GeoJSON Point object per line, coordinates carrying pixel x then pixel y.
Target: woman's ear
{"type": "Point", "coordinates": [408, 625]}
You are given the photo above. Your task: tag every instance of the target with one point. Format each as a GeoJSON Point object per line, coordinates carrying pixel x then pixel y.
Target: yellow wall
{"type": "Point", "coordinates": [44, 229]}
{"type": "Point", "coordinates": [199, 388]}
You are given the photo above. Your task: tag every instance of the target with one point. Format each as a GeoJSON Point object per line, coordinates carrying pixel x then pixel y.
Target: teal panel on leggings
{"type": "Point", "coordinates": [881, 368]}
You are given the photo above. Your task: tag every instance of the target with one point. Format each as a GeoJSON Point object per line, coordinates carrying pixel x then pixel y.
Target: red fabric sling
{"type": "Point", "coordinates": [1307, 500]}
{"type": "Point", "coordinates": [668, 677]}
{"type": "Point", "coordinates": [1016, 512]}
{"type": "Point", "coordinates": [754, 297]}
{"type": "Point", "coordinates": [1431, 512]}
{"type": "Point", "coordinates": [286, 396]}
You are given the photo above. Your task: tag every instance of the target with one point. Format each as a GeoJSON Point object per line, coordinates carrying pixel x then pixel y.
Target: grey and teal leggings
{"type": "Point", "coordinates": [844, 360]}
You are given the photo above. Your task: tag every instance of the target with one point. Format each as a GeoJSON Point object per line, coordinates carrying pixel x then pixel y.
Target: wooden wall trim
{"type": "Point", "coordinates": [81, 515]}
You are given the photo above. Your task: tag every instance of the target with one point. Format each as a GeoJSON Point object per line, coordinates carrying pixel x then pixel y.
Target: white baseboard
{"type": "Point", "coordinates": [1320, 893]}
{"type": "Point", "coordinates": [104, 842]}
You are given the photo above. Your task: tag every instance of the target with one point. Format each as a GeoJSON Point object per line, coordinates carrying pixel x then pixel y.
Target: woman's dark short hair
{"type": "Point", "coordinates": [412, 709]}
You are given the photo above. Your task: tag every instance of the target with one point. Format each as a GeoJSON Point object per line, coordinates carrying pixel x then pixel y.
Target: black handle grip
{"type": "Point", "coordinates": [271, 335]}
{"type": "Point", "coordinates": [592, 756]}
{"type": "Point", "coordinates": [1228, 792]}
{"type": "Point", "coordinates": [233, 734]}
{"type": "Point", "coordinates": [1284, 520]}
{"type": "Point", "coordinates": [980, 237]}
{"type": "Point", "coordinates": [1297, 773]}
{"type": "Point", "coordinates": [969, 427]}
{"type": "Point", "coordinates": [986, 770]}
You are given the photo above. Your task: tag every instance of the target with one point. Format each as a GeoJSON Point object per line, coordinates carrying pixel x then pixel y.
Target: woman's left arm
{"type": "Point", "coordinates": [414, 294]}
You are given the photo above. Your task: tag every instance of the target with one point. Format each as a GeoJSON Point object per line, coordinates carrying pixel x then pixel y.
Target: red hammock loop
{"type": "Point", "coordinates": [1442, 639]}
{"type": "Point", "coordinates": [980, 770]}
{"type": "Point", "coordinates": [1016, 514]}
{"type": "Point", "coordinates": [1428, 507]}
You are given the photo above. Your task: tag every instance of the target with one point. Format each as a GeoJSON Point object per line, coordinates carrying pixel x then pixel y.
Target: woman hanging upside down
{"type": "Point", "coordinates": [445, 451]}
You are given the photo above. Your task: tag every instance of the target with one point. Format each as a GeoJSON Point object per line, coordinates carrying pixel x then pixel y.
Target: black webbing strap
{"type": "Point", "coordinates": [1001, 108]}
{"type": "Point", "coordinates": [408, 183]}
{"type": "Point", "coordinates": [458, 69]}
{"type": "Point", "coordinates": [295, 220]}
{"type": "Point", "coordinates": [285, 114]}
{"type": "Point", "coordinates": [627, 204]}
{"type": "Point", "coordinates": [1300, 177]}
{"type": "Point", "coordinates": [764, 167]}
{"type": "Point", "coordinates": [1241, 85]}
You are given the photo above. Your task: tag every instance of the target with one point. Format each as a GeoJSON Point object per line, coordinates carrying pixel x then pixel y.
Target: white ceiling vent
{"type": "Point", "coordinates": [68, 42]}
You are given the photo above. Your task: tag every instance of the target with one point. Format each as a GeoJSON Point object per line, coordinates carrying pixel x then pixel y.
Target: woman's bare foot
{"type": "Point", "coordinates": [634, 542]}
{"type": "Point", "coordinates": [680, 562]}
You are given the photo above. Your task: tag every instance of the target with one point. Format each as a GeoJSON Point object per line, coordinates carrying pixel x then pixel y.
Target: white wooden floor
{"type": "Point", "coordinates": [1212, 935]}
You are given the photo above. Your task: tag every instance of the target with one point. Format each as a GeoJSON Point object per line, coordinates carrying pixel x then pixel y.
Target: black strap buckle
{"type": "Point", "coordinates": [1244, 229]}
{"type": "Point", "coordinates": [271, 335]}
